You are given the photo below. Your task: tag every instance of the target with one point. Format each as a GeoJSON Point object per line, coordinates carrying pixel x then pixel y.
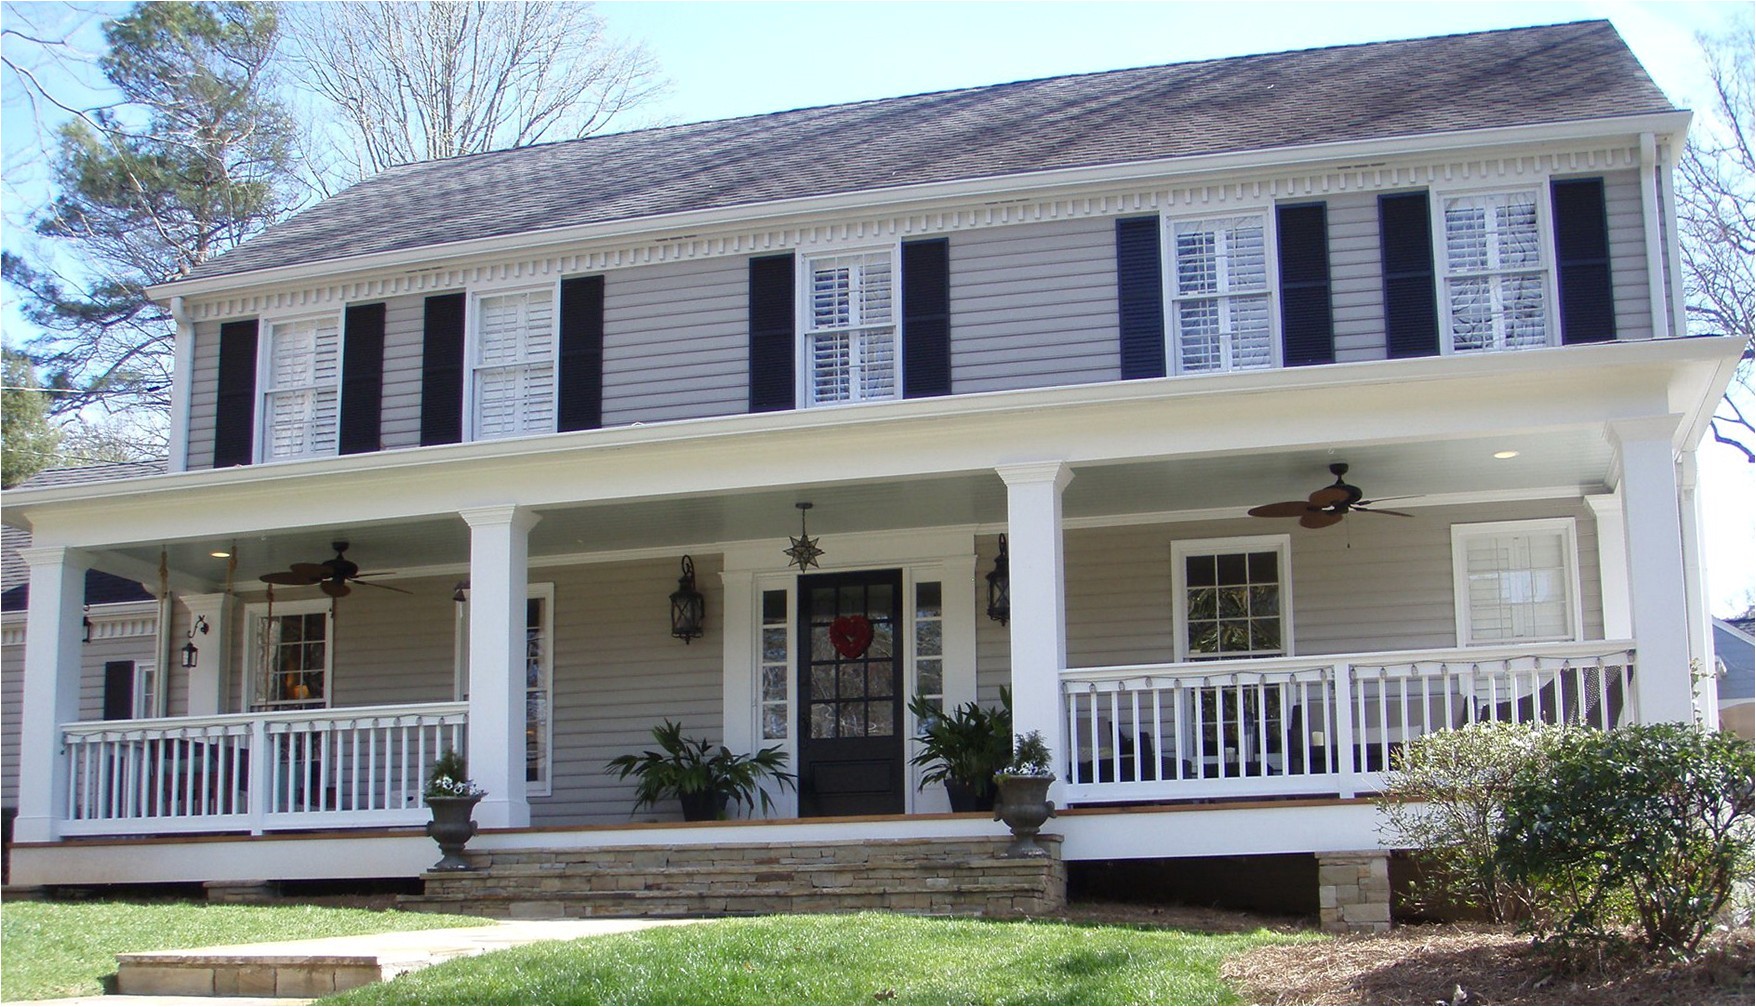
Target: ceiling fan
{"type": "Point", "coordinates": [332, 576]}
{"type": "Point", "coordinates": [1326, 506]}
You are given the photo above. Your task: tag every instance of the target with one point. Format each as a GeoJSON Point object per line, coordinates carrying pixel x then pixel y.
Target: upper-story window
{"type": "Point", "coordinates": [849, 338]}
{"type": "Point", "coordinates": [1218, 288]}
{"type": "Point", "coordinates": [512, 364]}
{"type": "Point", "coordinates": [1495, 271]}
{"type": "Point", "coordinates": [301, 399]}
{"type": "Point", "coordinates": [1516, 580]}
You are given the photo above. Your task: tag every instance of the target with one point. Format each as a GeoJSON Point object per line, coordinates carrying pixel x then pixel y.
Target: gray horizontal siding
{"type": "Point", "coordinates": [676, 341]}
{"type": "Point", "coordinates": [1628, 276]}
{"type": "Point", "coordinates": [1033, 306]}
{"type": "Point", "coordinates": [204, 395]}
{"type": "Point", "coordinates": [1356, 285]}
{"type": "Point", "coordinates": [400, 409]}
{"type": "Point", "coordinates": [11, 709]}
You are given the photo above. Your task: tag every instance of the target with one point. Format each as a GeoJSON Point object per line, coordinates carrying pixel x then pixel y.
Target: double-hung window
{"type": "Point", "coordinates": [850, 337]}
{"type": "Point", "coordinates": [1495, 271]}
{"type": "Point", "coordinates": [1516, 580]}
{"type": "Point", "coordinates": [289, 657]}
{"type": "Point", "coordinates": [301, 399]}
{"type": "Point", "coordinates": [1218, 285]}
{"type": "Point", "coordinates": [513, 364]}
{"type": "Point", "coordinates": [1231, 598]}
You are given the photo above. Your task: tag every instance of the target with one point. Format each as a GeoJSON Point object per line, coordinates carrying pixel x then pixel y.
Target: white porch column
{"type": "Point", "coordinates": [52, 664]}
{"type": "Point", "coordinates": [1656, 579]}
{"type": "Point", "coordinates": [498, 573]}
{"type": "Point", "coordinates": [1612, 563]}
{"type": "Point", "coordinates": [207, 680]}
{"type": "Point", "coordinates": [1039, 610]}
{"type": "Point", "coordinates": [1695, 585]}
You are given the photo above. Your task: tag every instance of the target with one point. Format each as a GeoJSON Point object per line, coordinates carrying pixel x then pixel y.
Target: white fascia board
{"type": "Point", "coordinates": [992, 186]}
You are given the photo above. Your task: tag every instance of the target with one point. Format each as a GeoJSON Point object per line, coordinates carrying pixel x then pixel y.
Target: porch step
{"type": "Point", "coordinates": [951, 876]}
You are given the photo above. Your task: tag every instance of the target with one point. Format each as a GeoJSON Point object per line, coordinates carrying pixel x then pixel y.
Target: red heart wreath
{"type": "Point", "coordinates": [851, 635]}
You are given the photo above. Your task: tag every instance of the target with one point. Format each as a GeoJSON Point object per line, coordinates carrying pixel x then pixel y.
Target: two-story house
{"type": "Point", "coordinates": [1084, 325]}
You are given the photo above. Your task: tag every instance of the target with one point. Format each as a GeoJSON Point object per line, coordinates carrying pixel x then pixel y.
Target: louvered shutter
{"type": "Point", "coordinates": [926, 318]}
{"type": "Point", "coordinates": [1582, 260]}
{"type": "Point", "coordinates": [514, 386]}
{"type": "Point", "coordinates": [771, 333]}
{"type": "Point", "coordinates": [362, 378]}
{"type": "Point", "coordinates": [234, 434]}
{"type": "Point", "coordinates": [1405, 245]}
{"type": "Point", "coordinates": [1140, 297]}
{"type": "Point", "coordinates": [118, 690]}
{"type": "Point", "coordinates": [582, 354]}
{"type": "Point", "coordinates": [442, 370]}
{"type": "Point", "coordinates": [1307, 324]}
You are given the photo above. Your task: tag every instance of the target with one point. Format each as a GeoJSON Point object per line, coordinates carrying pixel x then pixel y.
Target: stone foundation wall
{"type": "Point", "coordinates": [1353, 891]}
{"type": "Point", "coordinates": [952, 877]}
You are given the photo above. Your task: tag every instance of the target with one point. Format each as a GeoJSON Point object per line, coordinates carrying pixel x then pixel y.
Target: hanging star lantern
{"type": "Point", "coordinates": [804, 551]}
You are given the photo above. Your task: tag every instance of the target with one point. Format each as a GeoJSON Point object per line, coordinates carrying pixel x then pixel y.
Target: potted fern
{"type": "Point", "coordinates": [704, 781]}
{"type": "Point", "coordinates": [963, 748]}
{"type": "Point", "coordinates": [452, 795]}
{"type": "Point", "coordinates": [1024, 803]}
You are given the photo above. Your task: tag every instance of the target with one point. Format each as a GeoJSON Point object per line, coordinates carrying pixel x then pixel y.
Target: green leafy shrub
{"type": "Point", "coordinates": [965, 745]}
{"type": "Point", "coordinates": [1030, 757]}
{"type": "Point", "coordinates": [1648, 824]}
{"type": "Point", "coordinates": [1445, 799]}
{"type": "Point", "coordinates": [690, 768]}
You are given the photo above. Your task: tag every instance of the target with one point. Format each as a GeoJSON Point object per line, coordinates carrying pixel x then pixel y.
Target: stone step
{"type": "Point", "coordinates": [736, 871]}
{"type": "Point", "coordinates": [561, 888]}
{"type": "Point", "coordinates": [659, 904]}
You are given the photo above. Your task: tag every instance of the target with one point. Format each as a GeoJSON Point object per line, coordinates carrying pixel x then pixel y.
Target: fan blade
{"type": "Point", "coordinates": [374, 573]}
{"type": "Point", "coordinates": [315, 571]}
{"type": "Point", "coordinates": [1319, 519]}
{"type": "Point", "coordinates": [336, 588]}
{"type": "Point", "coordinates": [1328, 496]}
{"type": "Point", "coordinates": [1405, 496]}
{"type": "Point", "coordinates": [289, 578]}
{"type": "Point", "coordinates": [1287, 508]}
{"type": "Point", "coordinates": [1364, 510]}
{"type": "Point", "coordinates": [383, 587]}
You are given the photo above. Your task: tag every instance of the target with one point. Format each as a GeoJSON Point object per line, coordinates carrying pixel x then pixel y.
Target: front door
{"type": "Point", "coordinates": [851, 694]}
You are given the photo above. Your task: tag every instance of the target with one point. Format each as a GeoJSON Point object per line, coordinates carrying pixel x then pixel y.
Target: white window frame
{"type": "Point", "coordinates": [472, 346]}
{"type": "Point", "coordinates": [1461, 534]}
{"type": "Point", "coordinates": [148, 700]}
{"type": "Point", "coordinates": [804, 370]}
{"type": "Point", "coordinates": [1538, 185]}
{"type": "Point", "coordinates": [1282, 545]}
{"type": "Point", "coordinates": [265, 371]}
{"type": "Point", "coordinates": [1168, 282]}
{"type": "Point", "coordinates": [256, 617]}
{"type": "Point", "coordinates": [544, 784]}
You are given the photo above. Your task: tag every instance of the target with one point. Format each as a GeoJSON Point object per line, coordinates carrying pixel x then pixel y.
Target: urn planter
{"type": "Point", "coordinates": [451, 827]}
{"type": "Point", "coordinates": [1024, 806]}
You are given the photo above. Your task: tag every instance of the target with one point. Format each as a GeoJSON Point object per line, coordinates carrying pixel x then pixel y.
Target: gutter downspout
{"type": "Point", "coordinates": [1694, 591]}
{"type": "Point", "coordinates": [1652, 221]}
{"type": "Point", "coordinates": [182, 378]}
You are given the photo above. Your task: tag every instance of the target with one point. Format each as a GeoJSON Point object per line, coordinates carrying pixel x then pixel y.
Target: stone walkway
{"type": "Point", "coordinates": [288, 972]}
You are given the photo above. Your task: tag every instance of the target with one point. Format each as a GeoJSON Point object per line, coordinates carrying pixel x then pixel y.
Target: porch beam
{"type": "Point", "coordinates": [1657, 580]}
{"type": "Point", "coordinates": [1039, 610]}
{"type": "Point", "coordinates": [499, 572]}
{"type": "Point", "coordinates": [53, 662]}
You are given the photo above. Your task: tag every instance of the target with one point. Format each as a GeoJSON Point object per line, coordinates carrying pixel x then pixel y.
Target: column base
{"type": "Point", "coordinates": [1353, 891]}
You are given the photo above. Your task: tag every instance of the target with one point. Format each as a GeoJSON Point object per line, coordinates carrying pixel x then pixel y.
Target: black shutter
{"type": "Point", "coordinates": [1140, 297]}
{"type": "Point", "coordinates": [926, 318]}
{"type": "Point", "coordinates": [1582, 260]}
{"type": "Point", "coordinates": [234, 422]}
{"type": "Point", "coordinates": [1307, 324]}
{"type": "Point", "coordinates": [118, 690]}
{"type": "Point", "coordinates": [442, 370]}
{"type": "Point", "coordinates": [771, 333]}
{"type": "Point", "coordinates": [362, 378]}
{"type": "Point", "coordinates": [582, 354]}
{"type": "Point", "coordinates": [1405, 245]}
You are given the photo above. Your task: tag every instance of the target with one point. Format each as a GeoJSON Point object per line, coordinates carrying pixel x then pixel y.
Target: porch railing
{"type": "Point", "coordinates": [1327, 725]}
{"type": "Point", "coordinates": [356, 766]}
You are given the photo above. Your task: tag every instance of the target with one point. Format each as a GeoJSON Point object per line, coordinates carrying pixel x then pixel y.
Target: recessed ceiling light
{"type": "Point", "coordinates": [220, 554]}
{"type": "Point", "coordinates": [1505, 454]}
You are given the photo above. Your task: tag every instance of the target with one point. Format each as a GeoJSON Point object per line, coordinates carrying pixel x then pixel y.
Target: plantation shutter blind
{"type": "Point", "coordinates": [926, 318]}
{"type": "Point", "coordinates": [515, 364]}
{"type": "Point", "coordinates": [1219, 287]}
{"type": "Point", "coordinates": [302, 410]}
{"type": "Point", "coordinates": [1307, 323]}
{"type": "Point", "coordinates": [1494, 285]}
{"type": "Point", "coordinates": [362, 378]}
{"type": "Point", "coordinates": [1582, 261]}
{"type": "Point", "coordinates": [1518, 587]}
{"type": "Point", "coordinates": [850, 328]}
{"type": "Point", "coordinates": [1140, 297]}
{"type": "Point", "coordinates": [582, 354]}
{"type": "Point", "coordinates": [442, 370]}
{"type": "Point", "coordinates": [234, 434]}
{"type": "Point", "coordinates": [772, 353]}
{"type": "Point", "coordinates": [1405, 248]}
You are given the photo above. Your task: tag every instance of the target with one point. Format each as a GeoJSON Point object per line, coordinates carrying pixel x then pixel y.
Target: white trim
{"type": "Point", "coordinates": [1652, 232]}
{"type": "Point", "coordinates": [251, 667]}
{"type": "Point", "coordinates": [804, 368]}
{"type": "Point", "coordinates": [1538, 184]}
{"type": "Point", "coordinates": [182, 381]}
{"type": "Point", "coordinates": [1460, 536]}
{"type": "Point", "coordinates": [1168, 221]}
{"type": "Point", "coordinates": [472, 345]}
{"type": "Point", "coordinates": [1181, 549]}
{"type": "Point", "coordinates": [265, 331]}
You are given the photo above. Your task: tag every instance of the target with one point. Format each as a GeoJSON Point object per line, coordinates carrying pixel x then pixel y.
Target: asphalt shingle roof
{"type": "Point", "coordinates": [1525, 76]}
{"type": "Point", "coordinates": [100, 473]}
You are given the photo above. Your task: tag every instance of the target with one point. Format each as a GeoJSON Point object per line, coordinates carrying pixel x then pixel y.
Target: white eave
{"type": "Point", "coordinates": [902, 197]}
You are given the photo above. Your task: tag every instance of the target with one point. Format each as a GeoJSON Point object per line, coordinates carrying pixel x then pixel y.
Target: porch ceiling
{"type": "Point", "coordinates": [1448, 471]}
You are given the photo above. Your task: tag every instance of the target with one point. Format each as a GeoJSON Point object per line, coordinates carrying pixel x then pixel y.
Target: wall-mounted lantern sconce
{"type": "Point", "coordinates": [85, 625]}
{"type": "Point", "coordinates": [191, 653]}
{"type": "Point", "coordinates": [688, 607]}
{"type": "Point", "coordinates": [458, 593]}
{"type": "Point", "coordinates": [1000, 588]}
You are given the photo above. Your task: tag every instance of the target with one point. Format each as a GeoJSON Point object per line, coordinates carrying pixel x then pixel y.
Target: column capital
{"type": "Point", "coordinates": [1605, 505]}
{"type": "Point", "coordinates": [1035, 473]}
{"type": "Point", "coordinates": [54, 555]}
{"type": "Point", "coordinates": [518, 517]}
{"type": "Point", "coordinates": [1642, 428]}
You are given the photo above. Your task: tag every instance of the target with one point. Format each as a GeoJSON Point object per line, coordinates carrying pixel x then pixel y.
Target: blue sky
{"type": "Point", "coordinates": [733, 58]}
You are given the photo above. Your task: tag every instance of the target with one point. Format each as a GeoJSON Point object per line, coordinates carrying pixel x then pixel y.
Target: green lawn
{"type": "Point", "coordinates": [60, 949]}
{"type": "Point", "coordinates": [871, 958]}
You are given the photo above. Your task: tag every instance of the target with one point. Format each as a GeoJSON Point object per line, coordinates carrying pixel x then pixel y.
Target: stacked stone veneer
{"type": "Point", "coordinates": [949, 876]}
{"type": "Point", "coordinates": [1353, 891]}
